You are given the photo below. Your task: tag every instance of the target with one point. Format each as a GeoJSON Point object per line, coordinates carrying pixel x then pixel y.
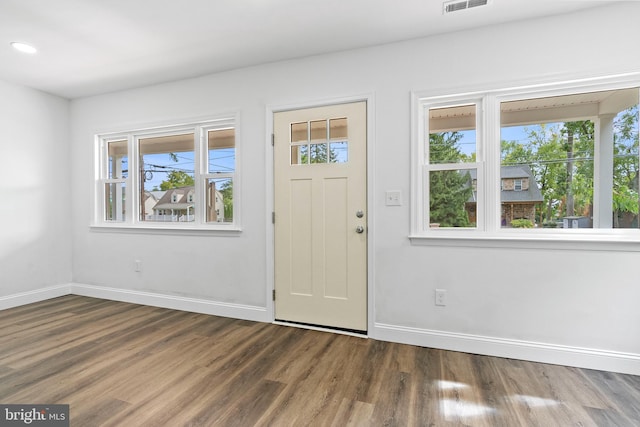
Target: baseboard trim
{"type": "Point", "coordinates": [603, 360]}
{"type": "Point", "coordinates": [37, 295]}
{"type": "Point", "coordinates": [196, 305]}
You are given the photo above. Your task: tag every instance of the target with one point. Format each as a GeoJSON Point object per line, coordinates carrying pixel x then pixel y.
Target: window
{"type": "Point", "coordinates": [517, 185]}
{"type": "Point", "coordinates": [450, 165]}
{"type": "Point", "coordinates": [184, 176]}
{"type": "Point", "coordinates": [562, 158]}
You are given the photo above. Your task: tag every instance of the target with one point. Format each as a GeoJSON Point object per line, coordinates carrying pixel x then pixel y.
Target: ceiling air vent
{"type": "Point", "coordinates": [456, 5]}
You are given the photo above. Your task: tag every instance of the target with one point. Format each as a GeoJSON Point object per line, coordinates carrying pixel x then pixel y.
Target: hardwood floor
{"type": "Point", "coordinates": [119, 364]}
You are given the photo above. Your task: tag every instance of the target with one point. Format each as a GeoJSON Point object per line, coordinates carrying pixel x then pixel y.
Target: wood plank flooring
{"type": "Point", "coordinates": [119, 364]}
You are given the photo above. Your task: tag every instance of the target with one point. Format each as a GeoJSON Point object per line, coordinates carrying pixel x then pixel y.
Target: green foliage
{"type": "Point", "coordinates": [449, 190]}
{"type": "Point", "coordinates": [318, 154]}
{"type": "Point", "coordinates": [227, 193]}
{"type": "Point", "coordinates": [176, 179]}
{"type": "Point", "coordinates": [625, 162]}
{"type": "Point", "coordinates": [522, 223]}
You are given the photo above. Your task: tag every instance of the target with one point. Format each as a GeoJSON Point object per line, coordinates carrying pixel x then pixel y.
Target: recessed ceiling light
{"type": "Point", "coordinates": [23, 47]}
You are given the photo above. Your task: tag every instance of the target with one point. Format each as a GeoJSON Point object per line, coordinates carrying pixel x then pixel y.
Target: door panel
{"type": "Point", "coordinates": [320, 201]}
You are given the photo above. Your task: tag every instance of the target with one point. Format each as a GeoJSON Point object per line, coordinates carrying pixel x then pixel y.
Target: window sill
{"type": "Point", "coordinates": [593, 240]}
{"type": "Point", "coordinates": [186, 230]}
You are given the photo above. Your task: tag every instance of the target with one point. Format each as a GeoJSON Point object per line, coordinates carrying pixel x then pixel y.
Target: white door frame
{"type": "Point", "coordinates": [269, 192]}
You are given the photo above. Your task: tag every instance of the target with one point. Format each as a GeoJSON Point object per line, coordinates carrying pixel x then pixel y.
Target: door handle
{"type": "Point", "coordinates": [359, 229]}
{"type": "Point", "coordinates": [359, 214]}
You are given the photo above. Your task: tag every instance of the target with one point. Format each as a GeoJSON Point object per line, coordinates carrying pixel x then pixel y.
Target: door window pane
{"type": "Point", "coordinates": [299, 132]}
{"type": "Point", "coordinates": [318, 130]}
{"type": "Point", "coordinates": [338, 152]}
{"type": "Point", "coordinates": [338, 128]}
{"type": "Point", "coordinates": [318, 153]}
{"type": "Point", "coordinates": [299, 154]}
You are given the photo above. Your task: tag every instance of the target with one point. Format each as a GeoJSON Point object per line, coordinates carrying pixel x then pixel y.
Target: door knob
{"type": "Point", "coordinates": [359, 214]}
{"type": "Point", "coordinates": [359, 229]}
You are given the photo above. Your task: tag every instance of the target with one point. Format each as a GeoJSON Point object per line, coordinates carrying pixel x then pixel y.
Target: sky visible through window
{"type": "Point", "coordinates": [467, 143]}
{"type": "Point", "coordinates": [157, 166]}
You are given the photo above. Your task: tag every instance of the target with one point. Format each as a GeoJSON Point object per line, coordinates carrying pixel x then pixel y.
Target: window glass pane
{"type": "Point", "coordinates": [219, 200]}
{"type": "Point", "coordinates": [299, 154]}
{"type": "Point", "coordinates": [546, 175]}
{"type": "Point", "coordinates": [452, 134]}
{"type": "Point", "coordinates": [118, 165]}
{"type": "Point", "coordinates": [338, 128]}
{"type": "Point", "coordinates": [338, 152]}
{"type": "Point", "coordinates": [221, 151]}
{"type": "Point", "coordinates": [318, 153]}
{"type": "Point", "coordinates": [319, 130]}
{"type": "Point", "coordinates": [452, 198]}
{"type": "Point", "coordinates": [299, 132]}
{"type": "Point", "coordinates": [166, 177]}
{"type": "Point", "coordinates": [114, 201]}
{"type": "Point", "coordinates": [554, 139]}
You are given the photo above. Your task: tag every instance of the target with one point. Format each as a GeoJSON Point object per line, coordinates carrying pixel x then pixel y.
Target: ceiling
{"type": "Point", "coordinates": [88, 47]}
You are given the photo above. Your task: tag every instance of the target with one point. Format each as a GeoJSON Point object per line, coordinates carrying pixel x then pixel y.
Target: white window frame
{"type": "Point", "coordinates": [422, 223]}
{"type": "Point", "coordinates": [132, 185]}
{"type": "Point", "coordinates": [489, 231]}
{"type": "Point", "coordinates": [517, 184]}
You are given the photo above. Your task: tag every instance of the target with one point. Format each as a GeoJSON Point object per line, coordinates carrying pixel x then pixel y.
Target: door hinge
{"type": "Point", "coordinates": [273, 217]}
{"type": "Point", "coordinates": [274, 294]}
{"type": "Point", "coordinates": [273, 139]}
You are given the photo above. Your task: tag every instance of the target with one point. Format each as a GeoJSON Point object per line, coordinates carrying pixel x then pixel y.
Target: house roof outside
{"type": "Point", "coordinates": [157, 194]}
{"type": "Point", "coordinates": [166, 203]}
{"type": "Point", "coordinates": [530, 195]}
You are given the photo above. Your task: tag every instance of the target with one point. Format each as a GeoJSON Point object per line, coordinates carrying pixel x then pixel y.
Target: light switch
{"type": "Point", "coordinates": [393, 198]}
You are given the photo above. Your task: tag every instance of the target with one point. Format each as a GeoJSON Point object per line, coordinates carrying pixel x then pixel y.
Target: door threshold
{"type": "Point", "coordinates": [341, 331]}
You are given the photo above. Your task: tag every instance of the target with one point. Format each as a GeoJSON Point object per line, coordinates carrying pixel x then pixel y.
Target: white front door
{"type": "Point", "coordinates": [320, 162]}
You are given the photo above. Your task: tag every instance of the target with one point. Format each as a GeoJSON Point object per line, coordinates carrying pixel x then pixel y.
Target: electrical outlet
{"type": "Point", "coordinates": [441, 297]}
{"type": "Point", "coordinates": [138, 265]}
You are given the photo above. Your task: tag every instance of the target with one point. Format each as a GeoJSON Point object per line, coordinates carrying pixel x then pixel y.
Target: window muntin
{"type": "Point", "coordinates": [178, 170]}
{"type": "Point", "coordinates": [451, 172]}
{"type": "Point", "coordinates": [602, 126]}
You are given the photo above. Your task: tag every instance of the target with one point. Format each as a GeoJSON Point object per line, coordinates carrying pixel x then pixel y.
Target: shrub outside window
{"type": "Point", "coordinates": [181, 177]}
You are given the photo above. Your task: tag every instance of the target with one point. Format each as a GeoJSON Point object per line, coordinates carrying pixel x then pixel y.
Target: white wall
{"type": "Point", "coordinates": [35, 241]}
{"type": "Point", "coordinates": [566, 301]}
